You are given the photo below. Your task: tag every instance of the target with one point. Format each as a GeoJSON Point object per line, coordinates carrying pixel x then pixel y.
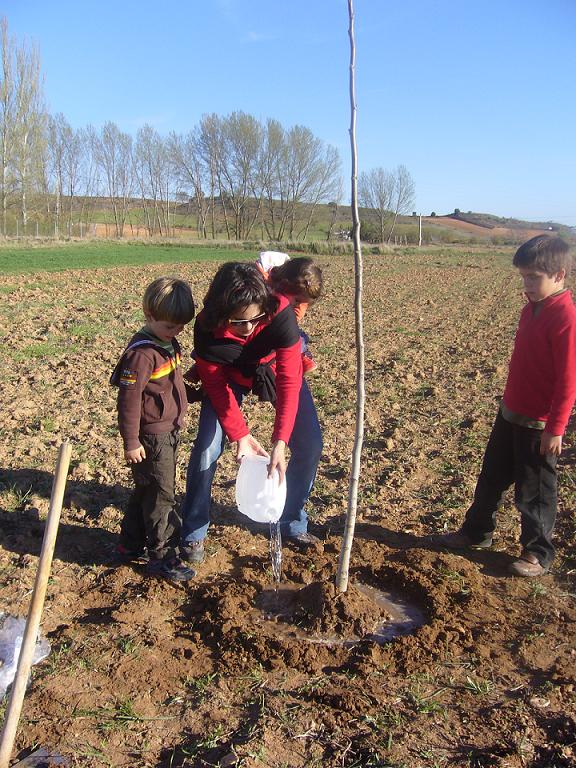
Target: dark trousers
{"type": "Point", "coordinates": [151, 519]}
{"type": "Point", "coordinates": [513, 456]}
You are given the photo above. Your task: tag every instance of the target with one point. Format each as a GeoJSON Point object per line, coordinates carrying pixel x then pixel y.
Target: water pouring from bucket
{"type": "Point", "coordinates": [262, 499]}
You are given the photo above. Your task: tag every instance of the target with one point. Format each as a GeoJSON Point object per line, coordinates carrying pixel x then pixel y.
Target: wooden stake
{"type": "Point", "coordinates": [16, 700]}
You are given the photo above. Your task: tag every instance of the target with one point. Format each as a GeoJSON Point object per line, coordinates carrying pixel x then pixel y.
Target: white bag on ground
{"type": "Point", "coordinates": [11, 635]}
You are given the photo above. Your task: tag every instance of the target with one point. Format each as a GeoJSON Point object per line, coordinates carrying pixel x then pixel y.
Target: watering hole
{"type": "Point", "coordinates": [277, 611]}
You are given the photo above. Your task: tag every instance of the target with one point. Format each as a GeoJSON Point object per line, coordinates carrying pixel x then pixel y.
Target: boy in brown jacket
{"type": "Point", "coordinates": [151, 407]}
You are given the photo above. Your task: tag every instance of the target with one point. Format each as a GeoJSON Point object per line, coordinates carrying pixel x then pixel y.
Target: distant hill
{"type": "Point", "coordinates": [485, 227]}
{"type": "Point", "coordinates": [490, 221]}
{"type": "Point", "coordinates": [94, 217]}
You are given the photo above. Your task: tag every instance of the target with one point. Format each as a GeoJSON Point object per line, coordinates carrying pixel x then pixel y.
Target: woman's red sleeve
{"type": "Point", "coordinates": [288, 384]}
{"type": "Point", "coordinates": [222, 397]}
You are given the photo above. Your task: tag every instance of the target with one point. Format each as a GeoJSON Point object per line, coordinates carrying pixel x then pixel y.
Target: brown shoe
{"type": "Point", "coordinates": [528, 566]}
{"type": "Point", "coordinates": [461, 540]}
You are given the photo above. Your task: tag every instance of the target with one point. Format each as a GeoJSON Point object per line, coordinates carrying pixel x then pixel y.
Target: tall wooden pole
{"type": "Point", "coordinates": [348, 537]}
{"type": "Point", "coordinates": [14, 707]}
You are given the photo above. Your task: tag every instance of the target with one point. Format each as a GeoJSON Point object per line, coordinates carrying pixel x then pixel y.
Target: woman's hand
{"type": "Point", "coordinates": [249, 446]}
{"type": "Point", "coordinates": [136, 455]}
{"type": "Point", "coordinates": [278, 460]}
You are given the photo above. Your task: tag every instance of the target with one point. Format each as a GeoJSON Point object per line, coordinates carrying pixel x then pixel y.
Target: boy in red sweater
{"type": "Point", "coordinates": [152, 403]}
{"type": "Point", "coordinates": [526, 438]}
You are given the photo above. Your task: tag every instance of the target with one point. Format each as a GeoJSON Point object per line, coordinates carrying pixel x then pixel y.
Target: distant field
{"type": "Point", "coordinates": [25, 258]}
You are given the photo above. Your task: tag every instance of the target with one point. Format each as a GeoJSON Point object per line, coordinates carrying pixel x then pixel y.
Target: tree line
{"type": "Point", "coordinates": [236, 176]}
{"type": "Point", "coordinates": [235, 173]}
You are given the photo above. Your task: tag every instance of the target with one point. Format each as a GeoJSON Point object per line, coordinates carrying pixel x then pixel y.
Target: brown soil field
{"type": "Point", "coordinates": [146, 674]}
{"type": "Point", "coordinates": [107, 230]}
{"type": "Point", "coordinates": [131, 231]}
{"type": "Point", "coordinates": [483, 232]}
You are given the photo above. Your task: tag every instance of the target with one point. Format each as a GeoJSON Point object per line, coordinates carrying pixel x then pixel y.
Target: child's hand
{"type": "Point", "coordinates": [249, 446]}
{"type": "Point", "coordinates": [550, 444]}
{"type": "Point", "coordinates": [136, 455]}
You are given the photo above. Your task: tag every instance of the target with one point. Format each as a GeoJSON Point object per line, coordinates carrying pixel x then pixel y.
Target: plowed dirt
{"type": "Point", "coordinates": [146, 674]}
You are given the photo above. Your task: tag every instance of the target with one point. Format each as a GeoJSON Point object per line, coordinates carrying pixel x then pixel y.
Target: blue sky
{"type": "Point", "coordinates": [475, 99]}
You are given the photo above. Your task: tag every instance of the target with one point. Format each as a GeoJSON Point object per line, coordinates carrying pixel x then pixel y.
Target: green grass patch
{"type": "Point", "coordinates": [43, 349]}
{"type": "Point", "coordinates": [102, 255]}
{"type": "Point", "coordinates": [87, 330]}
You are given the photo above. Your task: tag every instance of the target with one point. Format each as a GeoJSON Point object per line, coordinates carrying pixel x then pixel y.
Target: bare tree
{"type": "Point", "coordinates": [22, 124]}
{"type": "Point", "coordinates": [302, 173]}
{"type": "Point", "coordinates": [89, 182]}
{"type": "Point", "coordinates": [324, 186]}
{"type": "Point", "coordinates": [29, 125]}
{"type": "Point", "coordinates": [404, 191]}
{"type": "Point", "coordinates": [333, 206]}
{"type": "Point", "coordinates": [74, 158]}
{"type": "Point", "coordinates": [271, 179]}
{"type": "Point", "coordinates": [210, 143]}
{"type": "Point", "coordinates": [348, 537]}
{"type": "Point", "coordinates": [376, 191]}
{"type": "Point", "coordinates": [238, 169]}
{"type": "Point", "coordinates": [152, 170]}
{"type": "Point", "coordinates": [113, 154]}
{"type": "Point", "coordinates": [61, 143]}
{"type": "Point", "coordinates": [191, 173]}
{"type": "Point", "coordinates": [7, 120]}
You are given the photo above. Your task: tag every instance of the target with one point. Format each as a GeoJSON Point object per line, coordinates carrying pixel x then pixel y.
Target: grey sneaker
{"type": "Point", "coordinates": [171, 570]}
{"type": "Point", "coordinates": [193, 552]}
{"type": "Point", "coordinates": [461, 540]}
{"type": "Point", "coordinates": [305, 540]}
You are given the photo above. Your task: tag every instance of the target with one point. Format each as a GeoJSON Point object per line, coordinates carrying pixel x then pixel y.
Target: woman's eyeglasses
{"type": "Point", "coordinates": [251, 321]}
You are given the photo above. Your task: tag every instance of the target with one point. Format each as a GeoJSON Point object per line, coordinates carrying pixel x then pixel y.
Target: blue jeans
{"type": "Point", "coordinates": [305, 449]}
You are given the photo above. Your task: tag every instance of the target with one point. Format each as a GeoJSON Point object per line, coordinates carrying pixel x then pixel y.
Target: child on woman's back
{"type": "Point", "coordinates": [300, 280]}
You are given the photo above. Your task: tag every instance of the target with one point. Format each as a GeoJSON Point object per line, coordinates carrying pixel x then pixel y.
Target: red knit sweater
{"type": "Point", "coordinates": [542, 374]}
{"type": "Point", "coordinates": [215, 379]}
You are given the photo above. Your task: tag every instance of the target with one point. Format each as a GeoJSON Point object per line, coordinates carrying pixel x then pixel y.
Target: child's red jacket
{"type": "Point", "coordinates": [542, 374]}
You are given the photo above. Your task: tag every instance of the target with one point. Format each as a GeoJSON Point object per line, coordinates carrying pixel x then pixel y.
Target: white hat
{"type": "Point", "coordinates": [269, 259]}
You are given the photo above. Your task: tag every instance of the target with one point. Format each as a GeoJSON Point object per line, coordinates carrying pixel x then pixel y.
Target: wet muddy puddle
{"type": "Point", "coordinates": [275, 608]}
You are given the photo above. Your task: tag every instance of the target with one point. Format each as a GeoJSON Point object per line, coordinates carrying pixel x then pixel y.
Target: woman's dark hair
{"type": "Point", "coordinates": [234, 287]}
{"type": "Point", "coordinates": [544, 253]}
{"type": "Point", "coordinates": [300, 277]}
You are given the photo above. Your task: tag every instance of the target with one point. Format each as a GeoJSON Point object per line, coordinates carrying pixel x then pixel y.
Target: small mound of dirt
{"type": "Point", "coordinates": [318, 607]}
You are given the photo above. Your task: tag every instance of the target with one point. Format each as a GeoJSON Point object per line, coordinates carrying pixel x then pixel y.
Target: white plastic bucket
{"type": "Point", "coordinates": [259, 497]}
